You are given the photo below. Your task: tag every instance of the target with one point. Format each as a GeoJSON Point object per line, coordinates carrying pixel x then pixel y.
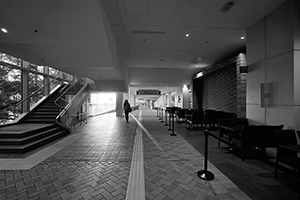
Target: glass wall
{"type": "Point", "coordinates": [10, 92]}
{"type": "Point", "coordinates": [35, 82]}
{"type": "Point", "coordinates": [11, 70]}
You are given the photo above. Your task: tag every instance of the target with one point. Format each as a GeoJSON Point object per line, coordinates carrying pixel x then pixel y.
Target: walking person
{"type": "Point", "coordinates": [127, 109]}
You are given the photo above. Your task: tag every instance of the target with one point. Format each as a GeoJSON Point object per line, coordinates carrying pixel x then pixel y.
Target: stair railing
{"type": "Point", "coordinates": [70, 102]}
{"type": "Point", "coordinates": [79, 119]}
{"type": "Point", "coordinates": [62, 100]}
{"type": "Point", "coordinates": [15, 108]}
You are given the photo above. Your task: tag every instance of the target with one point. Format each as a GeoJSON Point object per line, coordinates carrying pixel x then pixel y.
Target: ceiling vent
{"type": "Point", "coordinates": [196, 60]}
{"type": "Point", "coordinates": [227, 7]}
{"type": "Point", "coordinates": [148, 32]}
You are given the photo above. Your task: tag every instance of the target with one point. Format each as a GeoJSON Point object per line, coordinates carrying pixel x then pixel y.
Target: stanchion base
{"type": "Point", "coordinates": [166, 124]}
{"type": "Point", "coordinates": [206, 175]}
{"type": "Point", "coordinates": [173, 134]}
{"type": "Point", "coordinates": [169, 129]}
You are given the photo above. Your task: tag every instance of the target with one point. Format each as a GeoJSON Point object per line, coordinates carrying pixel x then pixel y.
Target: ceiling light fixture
{"type": "Point", "coordinates": [227, 7]}
{"type": "Point", "coordinates": [4, 30]}
{"type": "Point", "coordinates": [187, 35]}
{"type": "Point", "coordinates": [242, 38]}
{"type": "Point", "coordinates": [199, 74]}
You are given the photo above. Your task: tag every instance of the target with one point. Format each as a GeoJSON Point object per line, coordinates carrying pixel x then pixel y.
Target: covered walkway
{"type": "Point", "coordinates": [110, 159]}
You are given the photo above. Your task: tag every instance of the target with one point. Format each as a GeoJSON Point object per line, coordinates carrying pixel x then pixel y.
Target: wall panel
{"type": "Point", "coordinates": [279, 31]}
{"type": "Point", "coordinates": [279, 79]}
{"type": "Point", "coordinates": [256, 42]}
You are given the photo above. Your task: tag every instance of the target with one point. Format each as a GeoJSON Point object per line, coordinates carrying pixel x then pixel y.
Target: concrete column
{"type": "Point", "coordinates": [24, 80]}
{"type": "Point", "coordinates": [119, 104]}
{"type": "Point", "coordinates": [46, 81]}
{"type": "Point", "coordinates": [185, 97]}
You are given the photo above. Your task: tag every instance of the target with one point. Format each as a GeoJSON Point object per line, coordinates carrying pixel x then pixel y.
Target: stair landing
{"type": "Point", "coordinates": [20, 128]}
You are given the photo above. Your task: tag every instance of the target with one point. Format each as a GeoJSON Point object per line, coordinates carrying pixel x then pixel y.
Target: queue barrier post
{"type": "Point", "coordinates": [166, 117]}
{"type": "Point", "coordinates": [172, 111]}
{"type": "Point", "coordinates": [170, 124]}
{"type": "Point", "coordinates": [204, 174]}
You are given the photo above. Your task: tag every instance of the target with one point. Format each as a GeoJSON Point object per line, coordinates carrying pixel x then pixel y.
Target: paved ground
{"type": "Point", "coordinates": [110, 159]}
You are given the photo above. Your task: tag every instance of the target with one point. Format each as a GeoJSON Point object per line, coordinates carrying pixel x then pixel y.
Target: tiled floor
{"type": "Point", "coordinates": [110, 159]}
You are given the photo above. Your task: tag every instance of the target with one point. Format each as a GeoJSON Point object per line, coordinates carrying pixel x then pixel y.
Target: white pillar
{"type": "Point", "coordinates": [119, 104]}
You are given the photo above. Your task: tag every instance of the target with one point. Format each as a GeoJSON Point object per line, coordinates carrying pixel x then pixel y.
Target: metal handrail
{"type": "Point", "coordinates": [81, 120]}
{"type": "Point", "coordinates": [65, 91]}
{"type": "Point", "coordinates": [35, 92]}
{"type": "Point", "coordinates": [63, 118]}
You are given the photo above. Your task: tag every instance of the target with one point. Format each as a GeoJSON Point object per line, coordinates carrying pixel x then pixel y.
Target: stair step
{"type": "Point", "coordinates": [32, 145]}
{"type": "Point", "coordinates": [44, 113]}
{"type": "Point", "coordinates": [48, 106]}
{"type": "Point", "coordinates": [29, 138]}
{"type": "Point", "coordinates": [45, 116]}
{"type": "Point", "coordinates": [39, 120]}
{"type": "Point", "coordinates": [23, 130]}
{"type": "Point", "coordinates": [46, 110]}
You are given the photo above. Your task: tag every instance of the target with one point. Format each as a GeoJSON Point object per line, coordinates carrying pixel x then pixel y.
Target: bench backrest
{"type": "Point", "coordinates": [197, 117]}
{"type": "Point", "coordinates": [268, 137]}
{"type": "Point", "coordinates": [241, 121]}
{"type": "Point", "coordinates": [286, 137]}
{"type": "Point", "coordinates": [259, 135]}
{"type": "Point", "coordinates": [227, 122]}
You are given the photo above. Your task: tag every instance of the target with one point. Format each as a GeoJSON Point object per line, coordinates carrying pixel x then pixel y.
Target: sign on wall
{"type": "Point", "coordinates": [148, 92]}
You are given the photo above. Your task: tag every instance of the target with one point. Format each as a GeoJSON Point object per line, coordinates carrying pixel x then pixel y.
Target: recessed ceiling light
{"type": "Point", "coordinates": [4, 30]}
{"type": "Point", "coordinates": [242, 38]}
{"type": "Point", "coordinates": [199, 74]}
{"type": "Point", "coordinates": [187, 35]}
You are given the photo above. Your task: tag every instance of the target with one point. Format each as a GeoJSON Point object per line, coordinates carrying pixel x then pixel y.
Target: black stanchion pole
{"type": "Point", "coordinates": [173, 134]}
{"type": "Point", "coordinates": [169, 129]}
{"type": "Point", "coordinates": [204, 174]}
{"type": "Point", "coordinates": [166, 117]}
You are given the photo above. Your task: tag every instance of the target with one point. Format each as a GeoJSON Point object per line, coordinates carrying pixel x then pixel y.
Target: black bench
{"type": "Point", "coordinates": [255, 138]}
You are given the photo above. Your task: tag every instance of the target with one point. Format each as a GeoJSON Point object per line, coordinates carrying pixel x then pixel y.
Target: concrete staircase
{"type": "Point", "coordinates": [36, 129]}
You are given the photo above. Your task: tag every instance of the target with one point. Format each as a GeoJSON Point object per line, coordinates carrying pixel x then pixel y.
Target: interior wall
{"type": "Point", "coordinates": [270, 58]}
{"type": "Point", "coordinates": [296, 64]}
{"type": "Point", "coordinates": [218, 90]}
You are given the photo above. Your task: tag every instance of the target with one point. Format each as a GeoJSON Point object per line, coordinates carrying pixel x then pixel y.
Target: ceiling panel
{"type": "Point", "coordinates": [151, 47]}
